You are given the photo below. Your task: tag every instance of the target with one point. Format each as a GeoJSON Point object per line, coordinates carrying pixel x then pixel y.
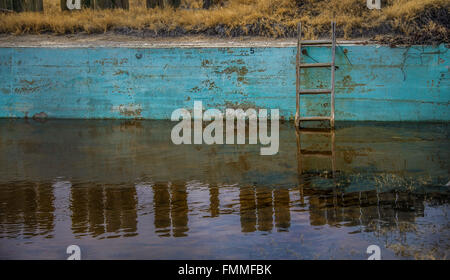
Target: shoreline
{"type": "Point", "coordinates": [126, 41]}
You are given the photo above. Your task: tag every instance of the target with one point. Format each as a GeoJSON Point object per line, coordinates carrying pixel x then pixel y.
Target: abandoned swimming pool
{"type": "Point", "coordinates": [120, 189]}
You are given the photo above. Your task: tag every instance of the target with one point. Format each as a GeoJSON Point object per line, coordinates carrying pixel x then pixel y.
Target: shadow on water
{"type": "Point", "coordinates": [121, 189]}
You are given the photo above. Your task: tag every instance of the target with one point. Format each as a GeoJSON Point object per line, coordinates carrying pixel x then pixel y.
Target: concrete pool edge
{"type": "Point", "coordinates": [124, 41]}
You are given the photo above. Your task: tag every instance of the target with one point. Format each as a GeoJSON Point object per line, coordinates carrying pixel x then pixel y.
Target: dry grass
{"type": "Point", "coordinates": [416, 19]}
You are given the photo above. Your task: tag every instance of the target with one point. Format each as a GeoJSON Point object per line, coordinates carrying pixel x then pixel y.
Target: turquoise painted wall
{"type": "Point", "coordinates": [372, 82]}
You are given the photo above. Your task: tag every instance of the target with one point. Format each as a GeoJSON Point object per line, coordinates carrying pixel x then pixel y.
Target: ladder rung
{"type": "Point", "coordinates": [316, 42]}
{"type": "Point", "coordinates": [316, 153]}
{"type": "Point", "coordinates": [314, 91]}
{"type": "Point", "coordinates": [312, 65]}
{"type": "Point", "coordinates": [314, 118]}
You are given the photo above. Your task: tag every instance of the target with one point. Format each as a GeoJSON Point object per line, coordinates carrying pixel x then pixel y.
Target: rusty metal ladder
{"type": "Point", "coordinates": [300, 65]}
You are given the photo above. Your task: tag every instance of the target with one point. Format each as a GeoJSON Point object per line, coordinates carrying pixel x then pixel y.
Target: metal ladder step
{"type": "Point", "coordinates": [320, 118]}
{"type": "Point", "coordinates": [316, 153]}
{"type": "Point", "coordinates": [316, 42]}
{"type": "Point", "coordinates": [314, 65]}
{"type": "Point", "coordinates": [314, 91]}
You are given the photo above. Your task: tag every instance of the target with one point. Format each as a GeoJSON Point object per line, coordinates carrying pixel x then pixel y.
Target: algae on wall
{"type": "Point", "coordinates": [22, 5]}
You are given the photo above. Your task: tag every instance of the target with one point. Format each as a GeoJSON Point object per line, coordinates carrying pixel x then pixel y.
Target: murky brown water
{"type": "Point", "coordinates": [121, 189]}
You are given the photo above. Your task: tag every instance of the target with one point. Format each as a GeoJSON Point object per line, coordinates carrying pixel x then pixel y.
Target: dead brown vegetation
{"type": "Point", "coordinates": [399, 21]}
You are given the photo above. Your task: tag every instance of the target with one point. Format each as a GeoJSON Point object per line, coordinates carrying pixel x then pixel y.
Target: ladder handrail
{"type": "Point", "coordinates": [297, 70]}
{"type": "Point", "coordinates": [333, 68]}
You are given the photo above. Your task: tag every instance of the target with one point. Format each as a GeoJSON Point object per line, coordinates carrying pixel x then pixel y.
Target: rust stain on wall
{"type": "Point", "coordinates": [120, 72]}
{"type": "Point", "coordinates": [240, 71]}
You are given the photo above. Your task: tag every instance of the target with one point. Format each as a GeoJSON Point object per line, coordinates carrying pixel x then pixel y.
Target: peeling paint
{"type": "Point", "coordinates": [129, 110]}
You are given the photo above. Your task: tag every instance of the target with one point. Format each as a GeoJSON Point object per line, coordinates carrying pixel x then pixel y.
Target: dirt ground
{"type": "Point", "coordinates": [110, 39]}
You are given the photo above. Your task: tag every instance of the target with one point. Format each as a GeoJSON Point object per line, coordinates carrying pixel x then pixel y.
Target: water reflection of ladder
{"type": "Point", "coordinates": [300, 65]}
{"type": "Point", "coordinates": [301, 153]}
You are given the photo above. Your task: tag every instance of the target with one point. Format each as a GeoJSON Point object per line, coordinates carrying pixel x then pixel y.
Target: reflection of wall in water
{"type": "Point", "coordinates": [26, 209]}
{"type": "Point", "coordinates": [214, 201]}
{"type": "Point", "coordinates": [258, 206]}
{"type": "Point", "coordinates": [121, 151]}
{"type": "Point", "coordinates": [171, 209]}
{"type": "Point", "coordinates": [371, 210]}
{"type": "Point", "coordinates": [98, 209]}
